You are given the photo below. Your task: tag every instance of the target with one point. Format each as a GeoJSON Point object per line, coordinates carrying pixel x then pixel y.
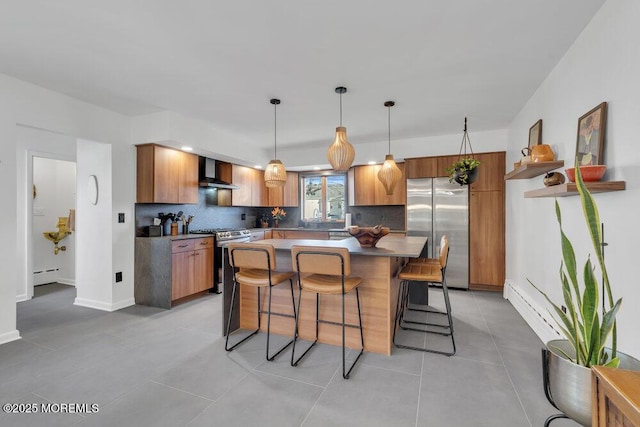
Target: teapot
{"type": "Point", "coordinates": [542, 153]}
{"type": "Point", "coordinates": [526, 153]}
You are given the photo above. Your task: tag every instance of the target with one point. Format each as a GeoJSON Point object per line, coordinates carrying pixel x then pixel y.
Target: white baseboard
{"type": "Point", "coordinates": [99, 305]}
{"type": "Point", "coordinates": [22, 297]}
{"type": "Point", "coordinates": [10, 336]}
{"type": "Point", "coordinates": [536, 317]}
{"type": "Point", "coordinates": [122, 304]}
{"type": "Point", "coordinates": [64, 281]}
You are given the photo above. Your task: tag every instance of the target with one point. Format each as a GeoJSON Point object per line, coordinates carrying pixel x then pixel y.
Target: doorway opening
{"type": "Point", "coordinates": [53, 223]}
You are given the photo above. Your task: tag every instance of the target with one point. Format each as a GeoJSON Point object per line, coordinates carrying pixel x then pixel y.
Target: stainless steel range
{"type": "Point", "coordinates": [222, 237]}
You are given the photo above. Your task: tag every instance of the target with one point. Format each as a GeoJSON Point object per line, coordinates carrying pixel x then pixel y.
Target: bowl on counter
{"type": "Point", "coordinates": [368, 236]}
{"type": "Point", "coordinates": [590, 173]}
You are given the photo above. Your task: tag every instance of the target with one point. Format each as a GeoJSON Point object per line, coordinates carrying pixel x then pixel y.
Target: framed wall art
{"type": "Point", "coordinates": [535, 134]}
{"type": "Point", "coordinates": [590, 141]}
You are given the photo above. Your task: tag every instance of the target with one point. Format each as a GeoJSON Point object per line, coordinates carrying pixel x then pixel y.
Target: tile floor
{"type": "Point", "coordinates": [149, 367]}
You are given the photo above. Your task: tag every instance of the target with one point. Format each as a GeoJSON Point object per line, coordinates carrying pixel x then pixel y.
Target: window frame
{"type": "Point", "coordinates": [323, 197]}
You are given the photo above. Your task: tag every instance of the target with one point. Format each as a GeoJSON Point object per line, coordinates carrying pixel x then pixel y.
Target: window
{"type": "Point", "coordinates": [324, 197]}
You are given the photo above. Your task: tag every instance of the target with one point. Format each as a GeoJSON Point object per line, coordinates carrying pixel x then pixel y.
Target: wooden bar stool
{"type": "Point", "coordinates": [325, 271]}
{"type": "Point", "coordinates": [444, 242]}
{"type": "Point", "coordinates": [427, 274]}
{"type": "Point", "coordinates": [257, 264]}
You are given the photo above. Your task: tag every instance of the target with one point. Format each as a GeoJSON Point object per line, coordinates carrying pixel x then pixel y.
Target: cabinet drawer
{"type": "Point", "coordinates": [183, 245]}
{"type": "Point", "coordinates": [203, 243]}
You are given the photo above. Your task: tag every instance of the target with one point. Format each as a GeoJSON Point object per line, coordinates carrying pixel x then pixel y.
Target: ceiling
{"type": "Point", "coordinates": [221, 61]}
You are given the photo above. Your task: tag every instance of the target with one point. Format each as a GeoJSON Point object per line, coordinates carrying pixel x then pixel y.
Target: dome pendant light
{"type": "Point", "coordinates": [390, 173]}
{"type": "Point", "coordinates": [275, 174]}
{"type": "Point", "coordinates": [341, 153]}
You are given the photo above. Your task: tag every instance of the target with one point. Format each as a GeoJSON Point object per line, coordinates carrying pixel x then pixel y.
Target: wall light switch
{"type": "Point", "coordinates": [119, 276]}
{"type": "Point", "coordinates": [121, 217]}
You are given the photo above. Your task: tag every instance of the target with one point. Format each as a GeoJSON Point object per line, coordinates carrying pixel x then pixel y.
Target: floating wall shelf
{"type": "Point", "coordinates": [569, 189]}
{"type": "Point", "coordinates": [530, 170]}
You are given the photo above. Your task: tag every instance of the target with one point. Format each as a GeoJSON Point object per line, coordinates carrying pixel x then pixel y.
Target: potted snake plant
{"type": "Point", "coordinates": [587, 332]}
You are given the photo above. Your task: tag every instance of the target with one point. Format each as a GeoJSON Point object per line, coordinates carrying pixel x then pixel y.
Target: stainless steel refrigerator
{"type": "Point", "coordinates": [436, 207]}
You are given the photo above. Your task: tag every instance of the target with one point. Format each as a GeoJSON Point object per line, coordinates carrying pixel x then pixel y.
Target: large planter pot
{"type": "Point", "coordinates": [569, 385]}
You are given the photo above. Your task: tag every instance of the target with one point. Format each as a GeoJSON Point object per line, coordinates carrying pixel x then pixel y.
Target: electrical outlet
{"type": "Point", "coordinates": [564, 309]}
{"type": "Point", "coordinates": [243, 216]}
{"type": "Point", "coordinates": [119, 276]}
{"type": "Point", "coordinates": [121, 217]}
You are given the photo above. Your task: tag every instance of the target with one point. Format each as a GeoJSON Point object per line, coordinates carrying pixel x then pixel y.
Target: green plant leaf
{"type": "Point", "coordinates": [569, 257]}
{"type": "Point", "coordinates": [589, 304]}
{"type": "Point", "coordinates": [592, 218]}
{"type": "Point", "coordinates": [614, 363]}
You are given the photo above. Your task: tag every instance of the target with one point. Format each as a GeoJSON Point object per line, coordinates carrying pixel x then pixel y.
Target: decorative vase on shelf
{"type": "Point", "coordinates": [276, 223]}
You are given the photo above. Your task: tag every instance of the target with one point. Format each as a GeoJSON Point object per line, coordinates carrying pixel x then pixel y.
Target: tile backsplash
{"type": "Point", "coordinates": [207, 214]}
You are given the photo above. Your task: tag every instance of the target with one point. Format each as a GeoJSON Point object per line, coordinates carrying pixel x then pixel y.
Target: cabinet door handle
{"type": "Point", "coordinates": [183, 246]}
{"type": "Point", "coordinates": [204, 243]}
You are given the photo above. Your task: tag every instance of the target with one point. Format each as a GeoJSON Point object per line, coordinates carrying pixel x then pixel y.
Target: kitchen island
{"type": "Point", "coordinates": [378, 267]}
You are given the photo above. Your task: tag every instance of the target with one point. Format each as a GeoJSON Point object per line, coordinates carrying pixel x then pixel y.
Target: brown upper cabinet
{"type": "Point", "coordinates": [365, 189]}
{"type": "Point", "coordinates": [491, 173]}
{"type": "Point", "coordinates": [287, 195]}
{"type": "Point", "coordinates": [251, 191]}
{"type": "Point", "coordinates": [166, 175]}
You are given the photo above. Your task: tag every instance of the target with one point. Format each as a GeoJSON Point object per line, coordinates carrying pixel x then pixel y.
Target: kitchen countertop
{"type": "Point", "coordinates": [388, 246]}
{"type": "Point", "coordinates": [333, 230]}
{"type": "Point", "coordinates": [179, 236]}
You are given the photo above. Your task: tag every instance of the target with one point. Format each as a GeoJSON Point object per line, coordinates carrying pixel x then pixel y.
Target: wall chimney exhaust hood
{"type": "Point", "coordinates": [208, 176]}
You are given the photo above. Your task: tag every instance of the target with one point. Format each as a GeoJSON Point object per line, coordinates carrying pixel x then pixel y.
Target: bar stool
{"type": "Point", "coordinates": [325, 271]}
{"type": "Point", "coordinates": [444, 241]}
{"type": "Point", "coordinates": [257, 264]}
{"type": "Point", "coordinates": [427, 274]}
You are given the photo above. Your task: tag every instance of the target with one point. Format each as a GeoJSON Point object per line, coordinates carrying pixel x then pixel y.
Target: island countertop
{"type": "Point", "coordinates": [388, 246]}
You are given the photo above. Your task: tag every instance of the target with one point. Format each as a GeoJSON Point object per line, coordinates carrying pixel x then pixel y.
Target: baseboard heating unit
{"type": "Point", "coordinates": [537, 317]}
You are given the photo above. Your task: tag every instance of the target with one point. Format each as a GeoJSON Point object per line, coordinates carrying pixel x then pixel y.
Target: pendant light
{"type": "Point", "coordinates": [390, 173]}
{"type": "Point", "coordinates": [341, 153]}
{"type": "Point", "coordinates": [275, 174]}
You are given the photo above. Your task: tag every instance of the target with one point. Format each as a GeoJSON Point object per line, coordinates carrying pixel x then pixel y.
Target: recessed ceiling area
{"type": "Point", "coordinates": [221, 62]}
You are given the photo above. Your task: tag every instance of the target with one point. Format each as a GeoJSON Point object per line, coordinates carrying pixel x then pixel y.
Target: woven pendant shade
{"type": "Point", "coordinates": [275, 174]}
{"type": "Point", "coordinates": [341, 153]}
{"type": "Point", "coordinates": [390, 174]}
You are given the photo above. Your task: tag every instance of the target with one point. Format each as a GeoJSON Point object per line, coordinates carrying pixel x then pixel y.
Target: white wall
{"type": "Point", "coordinates": [55, 183]}
{"type": "Point", "coordinates": [23, 105]}
{"type": "Point", "coordinates": [602, 65]}
{"type": "Point", "coordinates": [93, 226]}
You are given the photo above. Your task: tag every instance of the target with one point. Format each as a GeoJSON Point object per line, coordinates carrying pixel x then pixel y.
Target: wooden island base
{"type": "Point", "coordinates": [378, 296]}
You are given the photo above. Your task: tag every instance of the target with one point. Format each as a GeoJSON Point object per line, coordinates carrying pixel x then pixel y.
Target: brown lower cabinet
{"type": "Point", "coordinates": [191, 266]}
{"type": "Point", "coordinates": [168, 269]}
{"type": "Point", "coordinates": [486, 240]}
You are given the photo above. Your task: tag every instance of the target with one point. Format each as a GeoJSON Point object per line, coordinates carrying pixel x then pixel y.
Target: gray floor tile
{"type": "Point", "coordinates": [164, 406]}
{"type": "Point", "coordinates": [370, 397]}
{"type": "Point", "coordinates": [208, 373]}
{"type": "Point", "coordinates": [317, 367]}
{"type": "Point", "coordinates": [481, 395]}
{"type": "Point", "coordinates": [261, 400]}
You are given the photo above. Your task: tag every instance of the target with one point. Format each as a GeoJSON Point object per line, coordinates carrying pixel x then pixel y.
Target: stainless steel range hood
{"type": "Point", "coordinates": [208, 176]}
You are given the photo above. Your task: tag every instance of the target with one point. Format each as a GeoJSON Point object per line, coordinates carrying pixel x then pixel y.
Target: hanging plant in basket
{"type": "Point", "coordinates": [465, 170]}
